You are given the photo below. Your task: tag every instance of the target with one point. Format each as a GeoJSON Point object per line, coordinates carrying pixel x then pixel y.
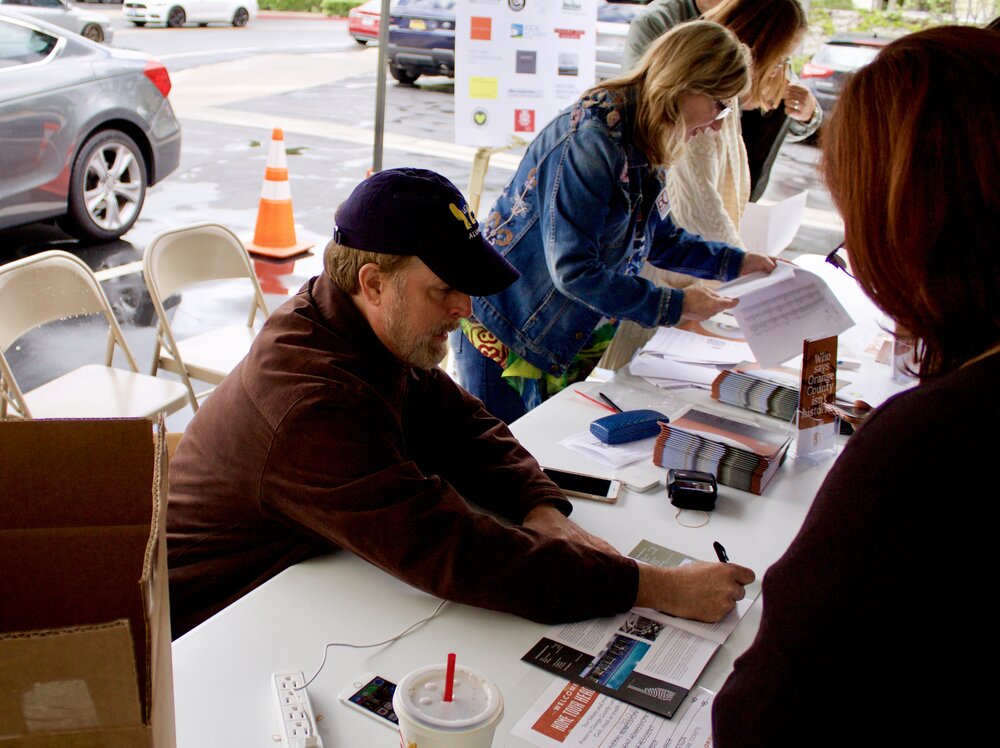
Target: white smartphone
{"type": "Point", "coordinates": [371, 694]}
{"type": "Point", "coordinates": [585, 486]}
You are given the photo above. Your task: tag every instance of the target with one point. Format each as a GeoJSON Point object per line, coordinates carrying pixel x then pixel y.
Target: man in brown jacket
{"type": "Point", "coordinates": [339, 431]}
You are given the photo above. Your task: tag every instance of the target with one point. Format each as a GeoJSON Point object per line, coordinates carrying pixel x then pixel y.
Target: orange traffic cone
{"type": "Point", "coordinates": [274, 235]}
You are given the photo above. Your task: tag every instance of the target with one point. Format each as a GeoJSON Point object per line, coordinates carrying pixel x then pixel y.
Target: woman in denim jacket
{"type": "Point", "coordinates": [586, 208]}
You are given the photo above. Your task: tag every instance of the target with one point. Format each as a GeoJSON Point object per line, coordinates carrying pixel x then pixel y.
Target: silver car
{"type": "Point", "coordinates": [94, 26]}
{"type": "Point", "coordinates": [84, 130]}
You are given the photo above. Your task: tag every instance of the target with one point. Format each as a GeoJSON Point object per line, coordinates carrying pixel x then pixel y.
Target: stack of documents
{"type": "Point", "coordinates": [757, 391]}
{"type": "Point", "coordinates": [780, 310]}
{"type": "Point", "coordinates": [738, 454]}
{"type": "Point", "coordinates": [690, 355]}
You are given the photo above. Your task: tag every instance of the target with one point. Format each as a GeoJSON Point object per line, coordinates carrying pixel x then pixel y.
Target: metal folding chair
{"type": "Point", "coordinates": [55, 285]}
{"type": "Point", "coordinates": [179, 258]}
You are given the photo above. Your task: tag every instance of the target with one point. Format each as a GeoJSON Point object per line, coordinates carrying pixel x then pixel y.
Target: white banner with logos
{"type": "Point", "coordinates": [518, 63]}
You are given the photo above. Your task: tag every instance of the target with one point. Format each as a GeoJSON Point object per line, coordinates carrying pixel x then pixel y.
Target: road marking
{"type": "Point", "coordinates": [346, 133]}
{"type": "Point", "coordinates": [206, 52]}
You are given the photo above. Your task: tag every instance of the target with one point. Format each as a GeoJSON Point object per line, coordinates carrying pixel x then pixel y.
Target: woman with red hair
{"type": "Point", "coordinates": [872, 629]}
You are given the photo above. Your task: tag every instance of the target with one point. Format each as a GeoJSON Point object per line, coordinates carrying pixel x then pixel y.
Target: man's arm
{"type": "Point", "coordinates": [476, 453]}
{"type": "Point", "coordinates": [703, 591]}
{"type": "Point", "coordinates": [348, 482]}
{"type": "Point", "coordinates": [548, 520]}
{"type": "Point", "coordinates": [338, 471]}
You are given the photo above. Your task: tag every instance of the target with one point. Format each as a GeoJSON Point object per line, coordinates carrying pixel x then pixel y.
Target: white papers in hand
{"type": "Point", "coordinates": [778, 311]}
{"type": "Point", "coordinates": [768, 229]}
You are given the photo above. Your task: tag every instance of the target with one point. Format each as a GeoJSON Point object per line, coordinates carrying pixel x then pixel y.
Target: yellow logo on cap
{"type": "Point", "coordinates": [465, 215]}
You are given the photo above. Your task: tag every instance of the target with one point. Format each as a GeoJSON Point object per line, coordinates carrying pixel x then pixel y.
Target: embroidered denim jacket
{"type": "Point", "coordinates": [572, 221]}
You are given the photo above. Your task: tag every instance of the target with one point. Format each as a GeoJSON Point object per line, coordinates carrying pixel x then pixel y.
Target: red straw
{"type": "Point", "coordinates": [449, 678]}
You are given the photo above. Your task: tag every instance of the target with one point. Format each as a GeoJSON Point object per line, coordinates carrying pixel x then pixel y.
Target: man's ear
{"type": "Point", "coordinates": [371, 281]}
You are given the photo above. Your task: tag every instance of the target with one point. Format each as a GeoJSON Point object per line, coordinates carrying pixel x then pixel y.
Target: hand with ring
{"type": "Point", "coordinates": [799, 102]}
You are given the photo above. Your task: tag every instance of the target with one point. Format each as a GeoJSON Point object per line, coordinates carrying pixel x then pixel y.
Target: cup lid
{"type": "Point", "coordinates": [420, 696]}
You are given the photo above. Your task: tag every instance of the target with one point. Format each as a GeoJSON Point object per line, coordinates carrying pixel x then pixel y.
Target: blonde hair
{"type": "Point", "coordinates": [768, 28]}
{"type": "Point", "coordinates": [698, 57]}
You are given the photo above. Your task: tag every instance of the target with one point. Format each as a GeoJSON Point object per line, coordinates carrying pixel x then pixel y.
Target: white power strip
{"type": "Point", "coordinates": [296, 721]}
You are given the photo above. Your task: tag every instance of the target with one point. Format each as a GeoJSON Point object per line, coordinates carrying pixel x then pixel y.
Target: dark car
{"type": "Point", "coordinates": [841, 55]}
{"type": "Point", "coordinates": [84, 130]}
{"type": "Point", "coordinates": [422, 37]}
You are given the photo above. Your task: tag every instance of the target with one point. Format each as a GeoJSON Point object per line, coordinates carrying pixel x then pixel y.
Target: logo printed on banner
{"type": "Point", "coordinates": [569, 63]}
{"type": "Point", "coordinates": [569, 33]}
{"type": "Point", "coordinates": [526, 31]}
{"type": "Point", "coordinates": [532, 93]}
{"type": "Point", "coordinates": [479, 117]}
{"type": "Point", "coordinates": [525, 61]}
{"type": "Point", "coordinates": [524, 120]}
{"type": "Point", "coordinates": [483, 88]}
{"type": "Point", "coordinates": [481, 28]}
{"type": "Point", "coordinates": [517, 5]}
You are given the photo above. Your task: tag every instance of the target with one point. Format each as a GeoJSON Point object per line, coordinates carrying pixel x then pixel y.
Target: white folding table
{"type": "Point", "coordinates": [221, 667]}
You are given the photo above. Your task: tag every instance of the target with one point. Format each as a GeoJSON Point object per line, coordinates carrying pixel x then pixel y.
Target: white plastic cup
{"type": "Point", "coordinates": [426, 720]}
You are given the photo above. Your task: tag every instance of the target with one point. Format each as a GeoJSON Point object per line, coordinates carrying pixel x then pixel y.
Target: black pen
{"type": "Point", "coordinates": [720, 552]}
{"type": "Point", "coordinates": [610, 402]}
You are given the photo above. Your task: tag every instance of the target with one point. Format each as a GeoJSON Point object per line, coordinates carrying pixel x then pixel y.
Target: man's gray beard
{"type": "Point", "coordinates": [408, 348]}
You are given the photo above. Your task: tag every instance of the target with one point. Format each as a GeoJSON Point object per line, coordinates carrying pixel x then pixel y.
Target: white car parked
{"type": "Point", "coordinates": [93, 26]}
{"type": "Point", "coordinates": [175, 13]}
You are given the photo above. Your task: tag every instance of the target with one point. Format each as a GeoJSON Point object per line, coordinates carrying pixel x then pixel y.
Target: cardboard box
{"type": "Point", "coordinates": [84, 611]}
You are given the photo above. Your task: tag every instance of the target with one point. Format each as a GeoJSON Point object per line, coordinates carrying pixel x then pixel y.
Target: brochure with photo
{"type": "Point", "coordinates": [643, 657]}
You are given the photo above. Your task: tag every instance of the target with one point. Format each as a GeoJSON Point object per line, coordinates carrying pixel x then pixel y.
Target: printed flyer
{"type": "Point", "coordinates": [570, 716]}
{"type": "Point", "coordinates": [643, 657]}
{"type": "Point", "coordinates": [517, 64]}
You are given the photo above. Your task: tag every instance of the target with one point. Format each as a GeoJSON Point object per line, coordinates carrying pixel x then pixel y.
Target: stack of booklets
{"type": "Point", "coordinates": [740, 455]}
{"type": "Point", "coordinates": [758, 392]}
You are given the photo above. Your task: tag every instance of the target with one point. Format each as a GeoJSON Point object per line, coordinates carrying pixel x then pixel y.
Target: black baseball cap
{"type": "Point", "coordinates": [418, 212]}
